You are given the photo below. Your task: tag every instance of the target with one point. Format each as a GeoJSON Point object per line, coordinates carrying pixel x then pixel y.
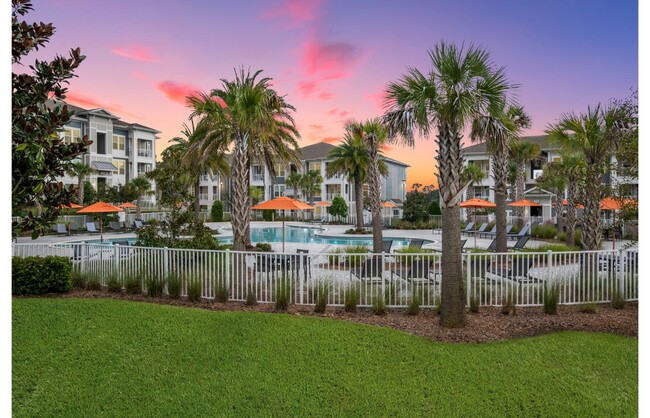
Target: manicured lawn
{"type": "Point", "coordinates": [82, 357]}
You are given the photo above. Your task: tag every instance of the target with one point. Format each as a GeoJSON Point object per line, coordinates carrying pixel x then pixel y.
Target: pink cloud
{"type": "Point", "coordinates": [378, 99]}
{"type": "Point", "coordinates": [325, 95]}
{"type": "Point", "coordinates": [316, 127]}
{"type": "Point", "coordinates": [332, 111]}
{"type": "Point", "coordinates": [89, 103]}
{"type": "Point", "coordinates": [306, 88]}
{"type": "Point", "coordinates": [329, 60]}
{"type": "Point", "coordinates": [137, 53]}
{"type": "Point", "coordinates": [296, 11]}
{"type": "Point", "coordinates": [176, 91]}
{"type": "Point", "coordinates": [331, 139]}
{"type": "Point", "coordinates": [140, 75]}
{"type": "Point", "coordinates": [343, 113]}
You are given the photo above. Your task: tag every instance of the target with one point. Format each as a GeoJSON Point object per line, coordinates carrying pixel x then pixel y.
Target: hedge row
{"type": "Point", "coordinates": [40, 275]}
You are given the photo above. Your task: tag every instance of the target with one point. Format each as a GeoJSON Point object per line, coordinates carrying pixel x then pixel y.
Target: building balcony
{"type": "Point", "coordinates": [258, 177]}
{"type": "Point", "coordinates": [203, 196]}
{"type": "Point", "coordinates": [330, 196]}
{"type": "Point", "coordinates": [145, 153]}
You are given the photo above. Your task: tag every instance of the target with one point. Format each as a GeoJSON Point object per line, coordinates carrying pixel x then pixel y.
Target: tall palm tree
{"type": "Point", "coordinates": [198, 160]}
{"type": "Point", "coordinates": [374, 135]}
{"type": "Point", "coordinates": [462, 85]}
{"type": "Point", "coordinates": [472, 174]}
{"type": "Point", "coordinates": [310, 184]}
{"type": "Point", "coordinates": [498, 130]}
{"type": "Point", "coordinates": [351, 159]}
{"type": "Point", "coordinates": [293, 181]}
{"type": "Point", "coordinates": [80, 170]}
{"type": "Point", "coordinates": [521, 153]}
{"type": "Point", "coordinates": [142, 186]}
{"type": "Point", "coordinates": [257, 121]}
{"type": "Point", "coordinates": [595, 135]}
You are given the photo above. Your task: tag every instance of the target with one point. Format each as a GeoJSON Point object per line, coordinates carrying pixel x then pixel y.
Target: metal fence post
{"type": "Point", "coordinates": [165, 261]}
{"type": "Point", "coordinates": [83, 254]}
{"type": "Point", "coordinates": [228, 272]}
{"type": "Point", "coordinates": [549, 264]}
{"type": "Point", "coordinates": [302, 261]}
{"type": "Point", "coordinates": [383, 282]}
{"type": "Point", "coordinates": [469, 276]}
{"type": "Point", "coordinates": [621, 277]}
{"type": "Point", "coordinates": [116, 251]}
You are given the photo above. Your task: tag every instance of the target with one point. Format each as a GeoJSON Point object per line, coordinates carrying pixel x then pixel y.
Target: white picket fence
{"type": "Point", "coordinates": [490, 278]}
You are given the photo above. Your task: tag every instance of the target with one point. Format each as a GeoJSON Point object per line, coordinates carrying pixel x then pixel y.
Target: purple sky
{"type": "Point", "coordinates": [333, 58]}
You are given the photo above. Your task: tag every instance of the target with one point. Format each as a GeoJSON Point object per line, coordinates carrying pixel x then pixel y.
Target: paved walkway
{"type": "Point", "coordinates": [433, 238]}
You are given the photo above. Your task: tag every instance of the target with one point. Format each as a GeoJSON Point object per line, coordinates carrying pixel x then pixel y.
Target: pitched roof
{"type": "Point", "coordinates": [320, 150]}
{"type": "Point", "coordinates": [541, 140]}
{"type": "Point", "coordinates": [81, 112]}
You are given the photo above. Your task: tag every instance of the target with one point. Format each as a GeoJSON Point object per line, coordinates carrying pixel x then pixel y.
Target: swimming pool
{"type": "Point", "coordinates": [291, 234]}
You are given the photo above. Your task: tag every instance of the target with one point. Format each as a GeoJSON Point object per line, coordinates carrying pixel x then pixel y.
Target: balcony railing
{"type": "Point", "coordinates": [203, 196]}
{"type": "Point", "coordinates": [330, 196]}
{"type": "Point", "coordinates": [145, 153]}
{"type": "Point", "coordinates": [258, 177]}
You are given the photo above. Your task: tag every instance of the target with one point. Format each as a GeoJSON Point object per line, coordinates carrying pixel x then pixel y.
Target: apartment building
{"type": "Point", "coordinates": [312, 157]}
{"type": "Point", "coordinates": [120, 150]}
{"type": "Point", "coordinates": [478, 155]}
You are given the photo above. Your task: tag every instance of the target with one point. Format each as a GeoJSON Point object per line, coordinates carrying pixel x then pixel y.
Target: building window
{"type": "Point", "coordinates": [280, 170]}
{"type": "Point", "coordinates": [71, 135]}
{"type": "Point", "coordinates": [314, 166]}
{"type": "Point", "coordinates": [118, 142]}
{"type": "Point", "coordinates": [278, 190]}
{"type": "Point", "coordinates": [120, 167]}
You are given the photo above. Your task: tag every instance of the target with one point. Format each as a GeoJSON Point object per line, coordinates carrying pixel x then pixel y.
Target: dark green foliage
{"type": "Point", "coordinates": [90, 194]}
{"type": "Point", "coordinates": [322, 297]}
{"type": "Point", "coordinates": [589, 308]}
{"type": "Point", "coordinates": [282, 294]}
{"type": "Point", "coordinates": [38, 154]}
{"type": "Point", "coordinates": [546, 231]}
{"type": "Point", "coordinates": [251, 298]}
{"type": "Point", "coordinates": [78, 278]}
{"type": "Point", "coordinates": [551, 298]}
{"type": "Point", "coordinates": [352, 296]}
{"type": "Point", "coordinates": [434, 208]}
{"type": "Point", "coordinates": [40, 275]}
{"type": "Point", "coordinates": [155, 286]}
{"type": "Point", "coordinates": [114, 285]}
{"type": "Point", "coordinates": [264, 246]}
{"type": "Point", "coordinates": [378, 305]}
{"type": "Point", "coordinates": [474, 304]}
{"type": "Point", "coordinates": [221, 290]}
{"type": "Point", "coordinates": [268, 215]}
{"type": "Point", "coordinates": [93, 283]}
{"type": "Point", "coordinates": [414, 305]}
{"type": "Point", "coordinates": [194, 289]}
{"type": "Point", "coordinates": [133, 285]}
{"type": "Point", "coordinates": [402, 224]}
{"type": "Point", "coordinates": [561, 236]}
{"type": "Point", "coordinates": [159, 234]}
{"type": "Point", "coordinates": [415, 207]}
{"type": "Point", "coordinates": [617, 298]}
{"type": "Point", "coordinates": [339, 208]}
{"type": "Point", "coordinates": [577, 238]}
{"type": "Point", "coordinates": [174, 286]}
{"type": "Point", "coordinates": [217, 211]}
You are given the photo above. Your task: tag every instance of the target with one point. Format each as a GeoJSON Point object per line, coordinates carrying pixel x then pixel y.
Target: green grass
{"type": "Point", "coordinates": [82, 357]}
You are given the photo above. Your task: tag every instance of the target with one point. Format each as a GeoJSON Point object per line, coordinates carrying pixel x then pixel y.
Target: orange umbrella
{"type": "Point", "coordinates": [388, 204]}
{"type": "Point", "coordinates": [100, 207]}
{"type": "Point", "coordinates": [324, 204]}
{"type": "Point", "coordinates": [71, 206]}
{"type": "Point", "coordinates": [612, 204]}
{"type": "Point", "coordinates": [282, 203]}
{"type": "Point", "coordinates": [127, 205]}
{"type": "Point", "coordinates": [524, 203]}
{"type": "Point", "coordinates": [579, 206]}
{"type": "Point", "coordinates": [477, 203]}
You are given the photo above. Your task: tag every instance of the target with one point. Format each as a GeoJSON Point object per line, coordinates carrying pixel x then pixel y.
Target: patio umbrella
{"type": "Point", "coordinates": [476, 204]}
{"type": "Point", "coordinates": [100, 207]}
{"type": "Point", "coordinates": [324, 204]}
{"type": "Point", "coordinates": [127, 205]}
{"type": "Point", "coordinates": [524, 203]}
{"type": "Point", "coordinates": [282, 203]}
{"type": "Point", "coordinates": [389, 204]}
{"type": "Point", "coordinates": [612, 204]}
{"type": "Point", "coordinates": [71, 206]}
{"type": "Point", "coordinates": [578, 206]}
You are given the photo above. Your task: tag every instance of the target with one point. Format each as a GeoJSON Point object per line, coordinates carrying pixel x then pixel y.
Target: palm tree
{"type": "Point", "coordinates": [198, 160]}
{"type": "Point", "coordinates": [498, 130]}
{"type": "Point", "coordinates": [310, 184]}
{"type": "Point", "coordinates": [141, 186]}
{"type": "Point", "coordinates": [462, 85]}
{"type": "Point", "coordinates": [293, 182]}
{"type": "Point", "coordinates": [252, 117]}
{"type": "Point", "coordinates": [521, 153]}
{"type": "Point", "coordinates": [472, 174]}
{"type": "Point", "coordinates": [595, 135]}
{"type": "Point", "coordinates": [256, 194]}
{"type": "Point", "coordinates": [374, 135]}
{"type": "Point", "coordinates": [351, 159]}
{"type": "Point", "coordinates": [80, 171]}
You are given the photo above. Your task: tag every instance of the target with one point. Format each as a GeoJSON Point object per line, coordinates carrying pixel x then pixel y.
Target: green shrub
{"type": "Point", "coordinates": [264, 246]}
{"type": "Point", "coordinates": [216, 212]}
{"type": "Point", "coordinates": [174, 286]}
{"type": "Point", "coordinates": [251, 298]}
{"type": "Point", "coordinates": [551, 298]}
{"type": "Point", "coordinates": [221, 290]}
{"type": "Point", "coordinates": [577, 238]}
{"type": "Point", "coordinates": [40, 275]}
{"type": "Point", "coordinates": [474, 304]}
{"type": "Point", "coordinates": [509, 306]}
{"type": "Point", "coordinates": [617, 299]}
{"type": "Point", "coordinates": [561, 236]}
{"type": "Point", "coordinates": [114, 285]}
{"type": "Point", "coordinates": [155, 286]}
{"type": "Point", "coordinates": [283, 294]}
{"type": "Point", "coordinates": [133, 285]}
{"type": "Point", "coordinates": [545, 231]}
{"type": "Point", "coordinates": [194, 289]}
{"type": "Point", "coordinates": [268, 215]}
{"type": "Point", "coordinates": [378, 305]}
{"type": "Point", "coordinates": [352, 297]}
{"type": "Point", "coordinates": [322, 296]}
{"type": "Point", "coordinates": [414, 305]}
{"type": "Point", "coordinates": [78, 279]}
{"type": "Point", "coordinates": [93, 283]}
{"type": "Point", "coordinates": [589, 308]}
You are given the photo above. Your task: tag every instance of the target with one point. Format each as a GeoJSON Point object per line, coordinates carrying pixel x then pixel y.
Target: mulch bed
{"type": "Point", "coordinates": [486, 326]}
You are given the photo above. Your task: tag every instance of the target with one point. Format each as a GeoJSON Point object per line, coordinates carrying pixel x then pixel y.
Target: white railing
{"type": "Point", "coordinates": [258, 177]}
{"type": "Point", "coordinates": [490, 278]}
{"type": "Point", "coordinates": [16, 219]}
{"type": "Point", "coordinates": [144, 153]}
{"type": "Point", "coordinates": [203, 196]}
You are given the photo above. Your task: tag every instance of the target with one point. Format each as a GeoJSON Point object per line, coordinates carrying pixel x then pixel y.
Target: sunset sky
{"type": "Point", "coordinates": [332, 59]}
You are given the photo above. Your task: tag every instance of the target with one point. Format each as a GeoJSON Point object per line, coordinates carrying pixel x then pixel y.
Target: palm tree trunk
{"type": "Point", "coordinates": [241, 201]}
{"type": "Point", "coordinates": [358, 203]}
{"type": "Point", "coordinates": [80, 186]}
{"type": "Point", "coordinates": [375, 202]}
{"type": "Point", "coordinates": [571, 216]}
{"type": "Point", "coordinates": [520, 186]}
{"type": "Point", "coordinates": [450, 169]}
{"type": "Point", "coordinates": [138, 211]}
{"type": "Point", "coordinates": [197, 203]}
{"type": "Point", "coordinates": [591, 229]}
{"type": "Point", "coordinates": [500, 173]}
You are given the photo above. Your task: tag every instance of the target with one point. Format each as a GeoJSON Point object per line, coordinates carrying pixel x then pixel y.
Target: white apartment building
{"type": "Point", "coordinates": [478, 155]}
{"type": "Point", "coordinates": [120, 150]}
{"type": "Point", "coordinates": [312, 157]}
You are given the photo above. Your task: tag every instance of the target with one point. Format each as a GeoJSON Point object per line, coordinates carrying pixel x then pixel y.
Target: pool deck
{"type": "Point", "coordinates": [333, 231]}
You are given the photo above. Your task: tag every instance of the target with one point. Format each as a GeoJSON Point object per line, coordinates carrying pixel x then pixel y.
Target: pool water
{"type": "Point", "coordinates": [292, 234]}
